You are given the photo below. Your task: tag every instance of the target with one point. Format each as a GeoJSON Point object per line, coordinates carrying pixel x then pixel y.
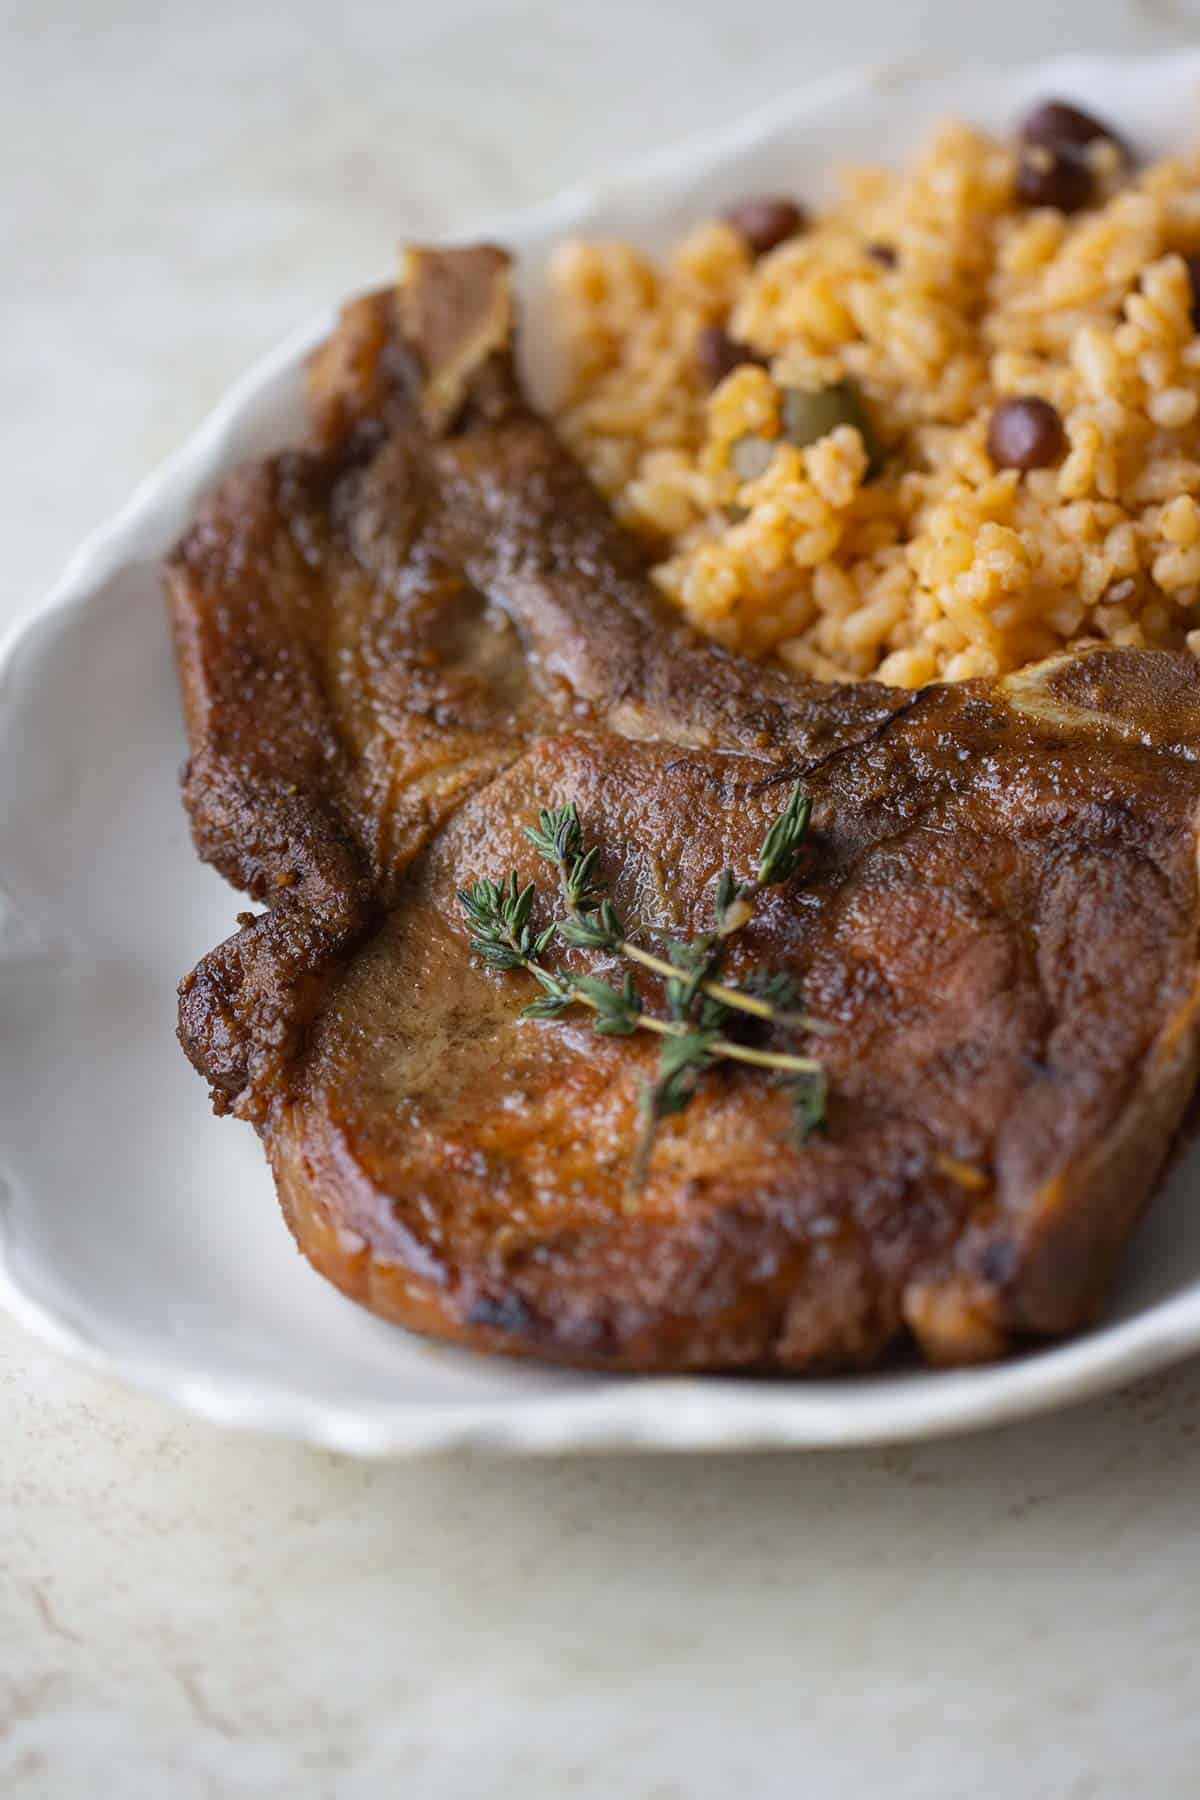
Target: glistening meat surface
{"type": "Point", "coordinates": [395, 646]}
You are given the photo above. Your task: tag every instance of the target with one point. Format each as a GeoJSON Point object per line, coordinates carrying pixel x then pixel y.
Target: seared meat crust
{"type": "Point", "coordinates": [394, 646]}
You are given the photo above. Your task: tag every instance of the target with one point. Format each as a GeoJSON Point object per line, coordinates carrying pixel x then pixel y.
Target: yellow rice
{"type": "Point", "coordinates": [942, 565]}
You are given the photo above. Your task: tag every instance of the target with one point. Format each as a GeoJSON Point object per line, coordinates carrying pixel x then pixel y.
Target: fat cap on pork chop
{"type": "Point", "coordinates": [395, 645]}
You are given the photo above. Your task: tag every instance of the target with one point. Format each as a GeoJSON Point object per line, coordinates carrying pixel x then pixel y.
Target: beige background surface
{"type": "Point", "coordinates": [190, 1615]}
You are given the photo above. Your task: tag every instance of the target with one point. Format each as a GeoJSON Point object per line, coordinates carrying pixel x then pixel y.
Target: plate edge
{"type": "Point", "coordinates": [420, 1429]}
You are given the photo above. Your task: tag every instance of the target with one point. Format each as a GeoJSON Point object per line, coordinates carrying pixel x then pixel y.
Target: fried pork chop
{"type": "Point", "coordinates": [395, 646]}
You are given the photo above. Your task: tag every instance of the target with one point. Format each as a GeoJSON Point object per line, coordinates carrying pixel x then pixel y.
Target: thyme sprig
{"type": "Point", "coordinates": [701, 1008]}
{"type": "Point", "coordinates": [502, 936]}
{"type": "Point", "coordinates": [593, 923]}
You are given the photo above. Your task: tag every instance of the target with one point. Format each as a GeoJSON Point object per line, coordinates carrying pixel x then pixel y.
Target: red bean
{"type": "Point", "coordinates": [1025, 433]}
{"type": "Point", "coordinates": [1193, 269]}
{"type": "Point", "coordinates": [1058, 176]}
{"type": "Point", "coordinates": [1056, 123]}
{"type": "Point", "coordinates": [766, 221]}
{"type": "Point", "coordinates": [718, 354]}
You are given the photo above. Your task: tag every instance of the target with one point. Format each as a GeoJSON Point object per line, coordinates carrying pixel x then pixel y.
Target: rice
{"type": "Point", "coordinates": [936, 563]}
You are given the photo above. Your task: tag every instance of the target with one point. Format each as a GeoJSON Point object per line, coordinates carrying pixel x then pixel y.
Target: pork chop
{"type": "Point", "coordinates": [395, 646]}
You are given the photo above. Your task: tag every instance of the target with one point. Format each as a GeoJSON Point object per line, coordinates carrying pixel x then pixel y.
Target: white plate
{"type": "Point", "coordinates": [142, 1235]}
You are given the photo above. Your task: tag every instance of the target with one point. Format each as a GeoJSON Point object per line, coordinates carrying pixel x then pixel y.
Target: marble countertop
{"type": "Point", "coordinates": [194, 1615]}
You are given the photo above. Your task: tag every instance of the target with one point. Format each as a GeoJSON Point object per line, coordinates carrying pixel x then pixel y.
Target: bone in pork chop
{"type": "Point", "coordinates": [394, 646]}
